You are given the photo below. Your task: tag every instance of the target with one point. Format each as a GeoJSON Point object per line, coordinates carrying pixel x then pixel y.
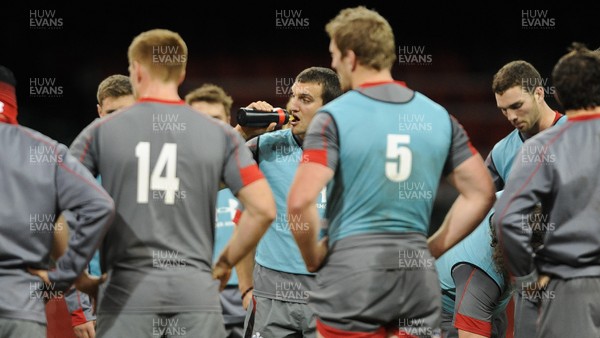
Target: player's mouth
{"type": "Point", "coordinates": [295, 120]}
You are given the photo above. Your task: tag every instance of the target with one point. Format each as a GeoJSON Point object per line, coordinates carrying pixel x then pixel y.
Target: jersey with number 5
{"type": "Point", "coordinates": [389, 147]}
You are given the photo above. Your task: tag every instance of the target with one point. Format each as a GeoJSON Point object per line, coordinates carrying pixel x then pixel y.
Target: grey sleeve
{"type": "Point", "coordinates": [489, 163]}
{"type": "Point", "coordinates": [252, 144]}
{"type": "Point", "coordinates": [89, 212]}
{"type": "Point", "coordinates": [461, 148]}
{"type": "Point", "coordinates": [79, 306]}
{"type": "Point", "coordinates": [321, 142]}
{"type": "Point", "coordinates": [240, 169]}
{"type": "Point", "coordinates": [529, 182]}
{"type": "Point", "coordinates": [84, 147]}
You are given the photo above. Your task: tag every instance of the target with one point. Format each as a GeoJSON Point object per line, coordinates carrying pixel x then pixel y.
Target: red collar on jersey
{"type": "Point", "coordinates": [372, 84]}
{"type": "Point", "coordinates": [150, 99]}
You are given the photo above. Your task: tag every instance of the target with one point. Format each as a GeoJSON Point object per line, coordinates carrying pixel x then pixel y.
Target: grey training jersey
{"type": "Point", "coordinates": [559, 169]}
{"type": "Point", "coordinates": [162, 163]}
{"type": "Point", "coordinates": [38, 181]}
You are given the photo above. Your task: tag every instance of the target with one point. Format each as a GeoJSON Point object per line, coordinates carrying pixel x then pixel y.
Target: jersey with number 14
{"type": "Point", "coordinates": [389, 146]}
{"type": "Point", "coordinates": [162, 162]}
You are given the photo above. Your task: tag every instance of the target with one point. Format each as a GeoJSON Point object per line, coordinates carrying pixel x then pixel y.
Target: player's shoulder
{"type": "Point", "coordinates": [512, 138]}
{"type": "Point", "coordinates": [32, 136]}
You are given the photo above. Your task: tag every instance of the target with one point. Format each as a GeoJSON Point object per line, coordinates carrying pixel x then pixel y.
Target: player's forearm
{"type": "Point", "coordinates": [462, 218]}
{"type": "Point", "coordinates": [303, 220]}
{"type": "Point", "coordinates": [251, 227]}
{"type": "Point", "coordinates": [244, 269]}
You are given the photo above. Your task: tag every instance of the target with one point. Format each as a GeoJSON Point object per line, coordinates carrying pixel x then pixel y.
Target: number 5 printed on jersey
{"type": "Point", "coordinates": [167, 162]}
{"type": "Point", "coordinates": [399, 158]}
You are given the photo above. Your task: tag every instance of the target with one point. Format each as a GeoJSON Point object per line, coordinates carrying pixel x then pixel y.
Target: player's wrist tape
{"type": "Point", "coordinates": [246, 292]}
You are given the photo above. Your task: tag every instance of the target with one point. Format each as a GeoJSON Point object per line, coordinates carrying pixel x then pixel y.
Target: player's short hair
{"type": "Point", "coordinates": [162, 51]}
{"type": "Point", "coordinates": [516, 73]}
{"type": "Point", "coordinates": [367, 34]}
{"type": "Point", "coordinates": [116, 85]}
{"type": "Point", "coordinates": [210, 93]}
{"type": "Point", "coordinates": [326, 77]}
{"type": "Point", "coordinates": [576, 77]}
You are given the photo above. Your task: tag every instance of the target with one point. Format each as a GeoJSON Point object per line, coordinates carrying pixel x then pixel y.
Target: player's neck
{"type": "Point", "coordinates": [160, 91]}
{"type": "Point", "coordinates": [364, 75]}
{"type": "Point", "coordinates": [547, 118]}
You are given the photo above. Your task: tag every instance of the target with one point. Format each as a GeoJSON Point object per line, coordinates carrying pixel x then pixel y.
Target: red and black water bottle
{"type": "Point", "coordinates": [260, 119]}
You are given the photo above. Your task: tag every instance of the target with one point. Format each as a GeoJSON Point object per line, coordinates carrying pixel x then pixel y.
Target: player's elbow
{"type": "Point", "coordinates": [297, 202]}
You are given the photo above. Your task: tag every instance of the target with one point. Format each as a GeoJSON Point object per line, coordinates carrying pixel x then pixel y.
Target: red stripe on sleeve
{"type": "Point", "coordinates": [237, 216]}
{"type": "Point", "coordinates": [250, 174]}
{"type": "Point", "coordinates": [315, 156]}
{"type": "Point", "coordinates": [332, 332]}
{"type": "Point", "coordinates": [78, 317]}
{"type": "Point", "coordinates": [469, 324]}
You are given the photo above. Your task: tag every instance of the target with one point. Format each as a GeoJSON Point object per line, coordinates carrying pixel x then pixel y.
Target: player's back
{"type": "Point", "coordinates": [394, 143]}
{"type": "Point", "coordinates": [162, 164]}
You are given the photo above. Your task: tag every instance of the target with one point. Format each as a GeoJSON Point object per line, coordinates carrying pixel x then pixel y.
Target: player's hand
{"type": "Point", "coordinates": [321, 250]}
{"type": "Point", "coordinates": [43, 274]}
{"type": "Point", "coordinates": [247, 299]}
{"type": "Point", "coordinates": [222, 272]}
{"type": "Point", "coordinates": [85, 330]}
{"type": "Point", "coordinates": [89, 284]}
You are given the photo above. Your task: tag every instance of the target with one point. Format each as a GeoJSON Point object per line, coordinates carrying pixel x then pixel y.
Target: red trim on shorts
{"type": "Point", "coordinates": [470, 324]}
{"type": "Point", "coordinates": [332, 332]}
{"type": "Point", "coordinates": [315, 155]}
{"type": "Point", "coordinates": [250, 174]}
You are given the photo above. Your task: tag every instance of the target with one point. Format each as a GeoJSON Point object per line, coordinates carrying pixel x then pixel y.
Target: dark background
{"type": "Point", "coordinates": [241, 48]}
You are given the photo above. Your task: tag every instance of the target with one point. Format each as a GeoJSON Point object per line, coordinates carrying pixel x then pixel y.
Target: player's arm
{"type": "Point", "coordinates": [60, 239]}
{"type": "Point", "coordinates": [471, 178]}
{"type": "Point", "coordinates": [90, 212]}
{"type": "Point", "coordinates": [247, 183]}
{"type": "Point", "coordinates": [82, 317]}
{"type": "Point", "coordinates": [491, 165]}
{"type": "Point", "coordinates": [528, 184]}
{"type": "Point", "coordinates": [319, 160]}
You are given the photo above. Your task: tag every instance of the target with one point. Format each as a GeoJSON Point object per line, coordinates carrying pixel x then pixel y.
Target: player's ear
{"type": "Point", "coordinates": [181, 77]}
{"type": "Point", "coordinates": [99, 110]}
